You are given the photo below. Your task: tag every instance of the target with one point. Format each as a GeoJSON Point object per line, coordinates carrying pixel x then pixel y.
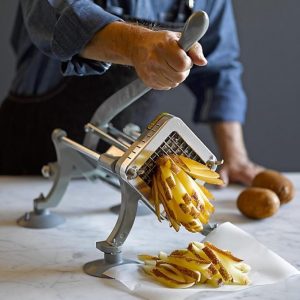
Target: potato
{"type": "Point", "coordinates": [276, 182]}
{"type": "Point", "coordinates": [258, 203]}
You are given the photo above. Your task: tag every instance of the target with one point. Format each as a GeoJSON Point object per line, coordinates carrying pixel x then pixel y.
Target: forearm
{"type": "Point", "coordinates": [114, 43]}
{"type": "Point", "coordinates": [156, 55]}
{"type": "Point", "coordinates": [230, 140]}
{"type": "Point", "coordinates": [237, 166]}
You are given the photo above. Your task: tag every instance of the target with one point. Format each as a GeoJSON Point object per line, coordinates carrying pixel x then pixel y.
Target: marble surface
{"type": "Point", "coordinates": [47, 263]}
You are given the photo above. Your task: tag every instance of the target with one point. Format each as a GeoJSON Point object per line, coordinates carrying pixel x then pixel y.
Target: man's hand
{"type": "Point", "coordinates": [237, 166]}
{"type": "Point", "coordinates": [239, 170]}
{"type": "Point", "coordinates": [156, 55]}
{"type": "Point", "coordinates": [161, 63]}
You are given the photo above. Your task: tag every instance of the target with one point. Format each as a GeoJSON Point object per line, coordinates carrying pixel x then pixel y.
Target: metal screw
{"type": "Point", "coordinates": [132, 130]}
{"type": "Point", "coordinates": [132, 172]}
{"type": "Point", "coordinates": [46, 171]}
{"type": "Point", "coordinates": [213, 163]}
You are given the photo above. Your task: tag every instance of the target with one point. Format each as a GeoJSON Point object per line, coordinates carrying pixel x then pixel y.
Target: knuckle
{"type": "Point", "coordinates": [184, 63]}
{"type": "Point", "coordinates": [162, 87]}
{"type": "Point", "coordinates": [170, 35]}
{"type": "Point", "coordinates": [174, 84]}
{"type": "Point", "coordinates": [197, 47]}
{"type": "Point", "coordinates": [181, 76]}
{"type": "Point", "coordinates": [187, 73]}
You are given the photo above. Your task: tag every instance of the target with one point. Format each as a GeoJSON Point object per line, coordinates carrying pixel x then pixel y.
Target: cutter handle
{"type": "Point", "coordinates": [193, 30]}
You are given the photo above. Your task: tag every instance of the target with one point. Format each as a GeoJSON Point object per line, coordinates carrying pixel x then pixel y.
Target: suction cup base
{"type": "Point", "coordinates": [40, 220]}
{"type": "Point", "coordinates": [96, 268]}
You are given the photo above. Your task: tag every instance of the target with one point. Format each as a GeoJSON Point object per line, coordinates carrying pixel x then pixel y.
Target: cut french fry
{"type": "Point", "coordinates": [155, 197]}
{"type": "Point", "coordinates": [199, 263]}
{"type": "Point", "coordinates": [206, 192]}
{"type": "Point", "coordinates": [185, 201]}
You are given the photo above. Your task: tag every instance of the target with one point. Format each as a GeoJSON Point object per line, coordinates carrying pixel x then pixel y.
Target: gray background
{"type": "Point", "coordinates": [269, 32]}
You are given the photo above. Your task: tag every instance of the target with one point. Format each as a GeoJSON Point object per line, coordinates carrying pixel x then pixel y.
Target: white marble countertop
{"type": "Point", "coordinates": [47, 263]}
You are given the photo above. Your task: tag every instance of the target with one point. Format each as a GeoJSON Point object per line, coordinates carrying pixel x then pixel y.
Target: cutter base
{"type": "Point", "coordinates": [40, 220]}
{"type": "Point", "coordinates": [96, 268]}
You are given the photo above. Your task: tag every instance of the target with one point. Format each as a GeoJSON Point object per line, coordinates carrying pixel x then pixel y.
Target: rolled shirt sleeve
{"type": "Point", "coordinates": [67, 26]}
{"type": "Point", "coordinates": [218, 87]}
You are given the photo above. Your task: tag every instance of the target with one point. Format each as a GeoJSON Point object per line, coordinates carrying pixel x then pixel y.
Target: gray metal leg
{"type": "Point", "coordinates": [142, 209]}
{"type": "Point", "coordinates": [70, 164]}
{"type": "Point", "coordinates": [40, 219]}
{"type": "Point", "coordinates": [112, 246]}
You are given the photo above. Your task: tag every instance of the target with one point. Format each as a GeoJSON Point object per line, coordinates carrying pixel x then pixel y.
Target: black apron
{"type": "Point", "coordinates": [26, 123]}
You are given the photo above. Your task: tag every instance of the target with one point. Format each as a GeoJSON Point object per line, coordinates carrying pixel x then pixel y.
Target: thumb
{"type": "Point", "coordinates": [224, 176]}
{"type": "Point", "coordinates": [197, 56]}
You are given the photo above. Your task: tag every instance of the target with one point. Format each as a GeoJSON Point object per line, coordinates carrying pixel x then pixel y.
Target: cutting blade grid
{"type": "Point", "coordinates": [173, 144]}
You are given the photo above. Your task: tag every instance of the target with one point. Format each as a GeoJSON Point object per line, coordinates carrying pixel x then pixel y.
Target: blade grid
{"type": "Point", "coordinates": [173, 144]}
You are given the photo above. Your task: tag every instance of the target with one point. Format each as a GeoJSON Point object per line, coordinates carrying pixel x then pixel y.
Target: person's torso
{"type": "Point", "coordinates": [37, 73]}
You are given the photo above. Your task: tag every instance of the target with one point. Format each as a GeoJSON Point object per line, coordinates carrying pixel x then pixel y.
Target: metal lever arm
{"type": "Point", "coordinates": [195, 27]}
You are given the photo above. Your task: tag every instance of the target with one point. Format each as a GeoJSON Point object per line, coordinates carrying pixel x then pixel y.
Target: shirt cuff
{"type": "Point", "coordinates": [79, 66]}
{"type": "Point", "coordinates": [76, 26]}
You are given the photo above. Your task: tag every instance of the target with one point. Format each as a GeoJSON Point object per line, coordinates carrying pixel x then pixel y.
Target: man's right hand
{"type": "Point", "coordinates": [156, 55]}
{"type": "Point", "coordinates": [160, 62]}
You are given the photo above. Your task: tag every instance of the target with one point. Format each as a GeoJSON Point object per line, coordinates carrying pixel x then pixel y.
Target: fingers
{"type": "Point", "coordinates": [239, 173]}
{"type": "Point", "coordinates": [163, 79]}
{"type": "Point", "coordinates": [163, 82]}
{"type": "Point", "coordinates": [247, 174]}
{"type": "Point", "coordinates": [196, 55]}
{"type": "Point", "coordinates": [175, 57]}
{"type": "Point", "coordinates": [245, 178]}
{"type": "Point", "coordinates": [174, 65]}
{"type": "Point", "coordinates": [160, 74]}
{"type": "Point", "coordinates": [161, 63]}
{"type": "Point", "coordinates": [224, 176]}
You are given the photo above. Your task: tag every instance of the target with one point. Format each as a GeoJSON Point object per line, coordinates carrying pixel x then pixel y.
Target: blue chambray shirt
{"type": "Point", "coordinates": [49, 34]}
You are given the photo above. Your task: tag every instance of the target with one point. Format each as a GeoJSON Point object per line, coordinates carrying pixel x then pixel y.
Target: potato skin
{"type": "Point", "coordinates": [258, 203]}
{"type": "Point", "coordinates": [276, 182]}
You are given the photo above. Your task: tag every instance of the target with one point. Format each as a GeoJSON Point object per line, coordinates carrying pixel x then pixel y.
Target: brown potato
{"type": "Point", "coordinates": [276, 182]}
{"type": "Point", "coordinates": [258, 203]}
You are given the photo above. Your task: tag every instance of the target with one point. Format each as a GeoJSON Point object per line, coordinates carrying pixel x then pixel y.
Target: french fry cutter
{"type": "Point", "coordinates": [131, 159]}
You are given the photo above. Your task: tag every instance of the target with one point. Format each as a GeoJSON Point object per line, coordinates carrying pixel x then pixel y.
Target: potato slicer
{"type": "Point", "coordinates": [131, 158]}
